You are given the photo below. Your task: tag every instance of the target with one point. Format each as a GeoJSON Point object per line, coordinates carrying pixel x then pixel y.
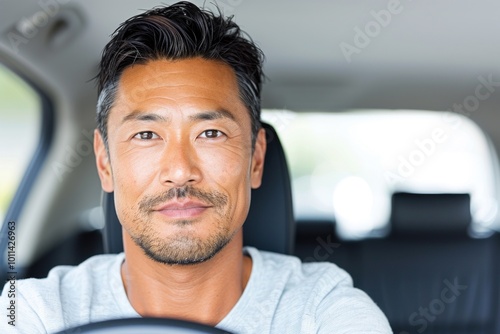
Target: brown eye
{"type": "Point", "coordinates": [211, 134]}
{"type": "Point", "coordinates": [146, 135]}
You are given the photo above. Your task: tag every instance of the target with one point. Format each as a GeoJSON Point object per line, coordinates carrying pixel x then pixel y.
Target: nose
{"type": "Point", "coordinates": [179, 164]}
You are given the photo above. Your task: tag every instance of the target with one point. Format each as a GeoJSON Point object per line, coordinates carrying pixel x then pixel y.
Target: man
{"type": "Point", "coordinates": [179, 141]}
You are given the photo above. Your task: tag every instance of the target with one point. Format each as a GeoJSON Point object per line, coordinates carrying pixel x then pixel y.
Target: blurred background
{"type": "Point", "coordinates": [371, 99]}
{"type": "Point", "coordinates": [321, 56]}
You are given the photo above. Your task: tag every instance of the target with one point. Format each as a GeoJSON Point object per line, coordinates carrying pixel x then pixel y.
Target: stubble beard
{"type": "Point", "coordinates": [183, 248]}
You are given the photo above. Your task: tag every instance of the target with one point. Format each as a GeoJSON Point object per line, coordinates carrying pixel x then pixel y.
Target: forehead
{"type": "Point", "coordinates": [194, 81]}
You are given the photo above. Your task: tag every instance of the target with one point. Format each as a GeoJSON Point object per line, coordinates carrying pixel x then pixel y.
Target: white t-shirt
{"type": "Point", "coordinates": [282, 296]}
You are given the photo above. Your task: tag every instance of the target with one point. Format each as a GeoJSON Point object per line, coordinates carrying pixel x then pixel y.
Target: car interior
{"type": "Point", "coordinates": [381, 123]}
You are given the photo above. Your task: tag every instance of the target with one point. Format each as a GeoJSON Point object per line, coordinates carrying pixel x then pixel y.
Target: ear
{"type": "Point", "coordinates": [102, 162]}
{"type": "Point", "coordinates": [259, 154]}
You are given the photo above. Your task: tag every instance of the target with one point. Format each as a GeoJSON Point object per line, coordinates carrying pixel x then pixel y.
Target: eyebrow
{"type": "Point", "coordinates": [212, 115]}
{"type": "Point", "coordinates": [138, 115]}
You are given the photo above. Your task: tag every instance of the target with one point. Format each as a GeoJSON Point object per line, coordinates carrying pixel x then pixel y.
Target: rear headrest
{"type": "Point", "coordinates": [270, 224]}
{"type": "Point", "coordinates": [430, 214]}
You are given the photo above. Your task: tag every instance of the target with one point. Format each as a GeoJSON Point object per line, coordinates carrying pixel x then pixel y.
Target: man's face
{"type": "Point", "coordinates": [180, 159]}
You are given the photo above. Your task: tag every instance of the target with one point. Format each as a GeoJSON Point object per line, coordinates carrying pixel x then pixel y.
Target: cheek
{"type": "Point", "coordinates": [229, 168]}
{"type": "Point", "coordinates": [133, 171]}
{"type": "Point", "coordinates": [133, 174]}
{"type": "Point", "coordinates": [230, 172]}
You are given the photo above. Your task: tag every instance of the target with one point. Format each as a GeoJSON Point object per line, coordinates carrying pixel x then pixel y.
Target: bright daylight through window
{"type": "Point", "coordinates": [345, 166]}
{"type": "Point", "coordinates": [19, 133]}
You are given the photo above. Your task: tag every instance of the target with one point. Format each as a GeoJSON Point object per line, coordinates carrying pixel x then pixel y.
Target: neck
{"type": "Point", "coordinates": [203, 293]}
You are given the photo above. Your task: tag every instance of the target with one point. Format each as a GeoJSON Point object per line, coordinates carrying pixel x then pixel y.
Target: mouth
{"type": "Point", "coordinates": [184, 209]}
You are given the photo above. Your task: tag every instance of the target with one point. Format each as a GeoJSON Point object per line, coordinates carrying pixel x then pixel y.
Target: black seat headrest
{"type": "Point", "coordinates": [430, 214]}
{"type": "Point", "coordinates": [269, 226]}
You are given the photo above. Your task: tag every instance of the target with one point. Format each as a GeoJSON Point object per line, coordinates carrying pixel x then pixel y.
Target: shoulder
{"type": "Point", "coordinates": [61, 278]}
{"type": "Point", "coordinates": [49, 304]}
{"type": "Point", "coordinates": [321, 293]}
{"type": "Point", "coordinates": [316, 275]}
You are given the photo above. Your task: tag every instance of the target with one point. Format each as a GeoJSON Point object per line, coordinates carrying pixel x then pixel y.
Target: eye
{"type": "Point", "coordinates": [146, 135]}
{"type": "Point", "coordinates": [211, 134]}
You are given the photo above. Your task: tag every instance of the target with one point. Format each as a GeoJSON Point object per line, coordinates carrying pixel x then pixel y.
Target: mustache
{"type": "Point", "coordinates": [214, 198]}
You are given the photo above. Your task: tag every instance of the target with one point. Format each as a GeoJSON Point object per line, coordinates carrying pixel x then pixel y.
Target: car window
{"type": "Point", "coordinates": [20, 117]}
{"type": "Point", "coordinates": [346, 166]}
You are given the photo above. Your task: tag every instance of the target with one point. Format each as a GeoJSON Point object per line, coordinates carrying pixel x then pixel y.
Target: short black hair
{"type": "Point", "coordinates": [175, 32]}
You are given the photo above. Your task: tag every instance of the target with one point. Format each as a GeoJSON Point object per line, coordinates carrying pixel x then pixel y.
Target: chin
{"type": "Point", "coordinates": [183, 249]}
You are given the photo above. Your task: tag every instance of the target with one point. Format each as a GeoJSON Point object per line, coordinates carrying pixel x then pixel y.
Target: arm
{"type": "Point", "coordinates": [346, 309]}
{"type": "Point", "coordinates": [18, 315]}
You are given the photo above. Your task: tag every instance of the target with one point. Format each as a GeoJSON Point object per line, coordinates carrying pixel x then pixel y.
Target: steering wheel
{"type": "Point", "coordinates": [143, 326]}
